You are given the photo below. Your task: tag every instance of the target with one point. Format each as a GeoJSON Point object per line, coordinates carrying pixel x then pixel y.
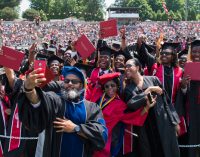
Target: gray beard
{"type": "Point", "coordinates": [71, 95]}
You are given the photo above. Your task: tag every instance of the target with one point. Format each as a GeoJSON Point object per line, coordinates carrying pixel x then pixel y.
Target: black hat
{"type": "Point", "coordinates": [45, 44]}
{"type": "Point", "coordinates": [174, 46]}
{"type": "Point", "coordinates": [88, 68]}
{"type": "Point", "coordinates": [51, 51]}
{"type": "Point", "coordinates": [106, 51]}
{"type": "Point", "coordinates": [195, 43]}
{"type": "Point", "coordinates": [183, 52]}
{"type": "Point", "coordinates": [116, 45]}
{"type": "Point", "coordinates": [54, 57]}
{"type": "Point", "coordinates": [126, 54]}
{"type": "Point", "coordinates": [40, 56]}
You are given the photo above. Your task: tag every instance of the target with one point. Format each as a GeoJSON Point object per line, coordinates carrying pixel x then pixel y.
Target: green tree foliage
{"type": "Point", "coordinates": [43, 15]}
{"type": "Point", "coordinates": [121, 3]}
{"type": "Point", "coordinates": [95, 8]}
{"type": "Point", "coordinates": [9, 3]}
{"type": "Point", "coordinates": [30, 14]}
{"type": "Point", "coordinates": [153, 9]}
{"type": "Point", "coordinates": [44, 5]}
{"type": "Point", "coordinates": [59, 9]}
{"type": "Point", "coordinates": [8, 14]}
{"type": "Point", "coordinates": [155, 5]}
{"type": "Point", "coordinates": [145, 9]}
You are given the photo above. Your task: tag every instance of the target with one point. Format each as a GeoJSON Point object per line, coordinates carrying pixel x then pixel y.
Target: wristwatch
{"type": "Point", "coordinates": [77, 129]}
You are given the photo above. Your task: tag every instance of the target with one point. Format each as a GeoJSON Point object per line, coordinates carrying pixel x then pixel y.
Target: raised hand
{"type": "Point", "coordinates": [185, 81]}
{"type": "Point", "coordinates": [34, 79]}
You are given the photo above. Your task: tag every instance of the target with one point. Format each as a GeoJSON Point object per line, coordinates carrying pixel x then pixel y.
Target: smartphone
{"type": "Point", "coordinates": [150, 98]}
{"type": "Point", "coordinates": [40, 64]}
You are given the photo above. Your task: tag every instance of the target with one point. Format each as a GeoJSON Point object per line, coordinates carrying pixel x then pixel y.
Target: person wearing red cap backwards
{"type": "Point", "coordinates": [113, 109]}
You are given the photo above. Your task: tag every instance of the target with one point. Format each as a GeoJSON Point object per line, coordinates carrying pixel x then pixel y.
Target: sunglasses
{"type": "Point", "coordinates": [73, 81]}
{"type": "Point", "coordinates": [110, 85]}
{"type": "Point", "coordinates": [129, 65]}
{"type": "Point", "coordinates": [165, 53]}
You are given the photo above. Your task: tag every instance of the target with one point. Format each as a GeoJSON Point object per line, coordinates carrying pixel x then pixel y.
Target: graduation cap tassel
{"type": "Point", "coordinates": [97, 64]}
{"type": "Point", "coordinates": [113, 62]}
{"type": "Point", "coordinates": [189, 58]}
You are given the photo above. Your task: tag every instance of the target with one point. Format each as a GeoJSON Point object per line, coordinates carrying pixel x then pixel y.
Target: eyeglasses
{"type": "Point", "coordinates": [73, 81]}
{"type": "Point", "coordinates": [166, 53]}
{"type": "Point", "coordinates": [110, 85]}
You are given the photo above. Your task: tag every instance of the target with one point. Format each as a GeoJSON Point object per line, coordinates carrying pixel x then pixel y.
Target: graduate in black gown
{"type": "Point", "coordinates": [191, 107]}
{"type": "Point", "coordinates": [157, 138]}
{"type": "Point", "coordinates": [73, 126]}
{"type": "Point", "coordinates": [22, 142]}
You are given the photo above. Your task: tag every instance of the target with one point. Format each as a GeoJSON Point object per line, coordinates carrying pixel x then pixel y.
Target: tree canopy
{"type": "Point", "coordinates": [94, 10]}
{"type": "Point", "coordinates": [153, 9]}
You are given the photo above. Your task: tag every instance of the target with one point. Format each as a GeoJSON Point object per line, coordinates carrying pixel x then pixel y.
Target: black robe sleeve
{"type": "Point", "coordinates": [145, 57]}
{"type": "Point", "coordinates": [39, 118]}
{"type": "Point", "coordinates": [95, 128]}
{"type": "Point", "coordinates": [54, 86]}
{"type": "Point", "coordinates": [170, 109]}
{"type": "Point", "coordinates": [134, 101]}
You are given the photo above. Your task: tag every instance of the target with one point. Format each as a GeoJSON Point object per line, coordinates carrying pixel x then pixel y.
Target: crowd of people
{"type": "Point", "coordinates": [25, 33]}
{"type": "Point", "coordinates": [130, 98]}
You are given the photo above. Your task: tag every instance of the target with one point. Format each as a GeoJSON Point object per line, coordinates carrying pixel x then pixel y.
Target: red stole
{"type": "Point", "coordinates": [128, 139]}
{"type": "Point", "coordinates": [94, 75]}
{"type": "Point", "coordinates": [114, 113]}
{"type": "Point", "coordinates": [16, 127]}
{"type": "Point", "coordinates": [158, 70]}
{"type": "Point", "coordinates": [93, 91]}
{"type": "Point", "coordinates": [1, 150]}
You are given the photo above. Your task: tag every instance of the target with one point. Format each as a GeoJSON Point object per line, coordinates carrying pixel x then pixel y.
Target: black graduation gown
{"type": "Point", "coordinates": [157, 137]}
{"type": "Point", "coordinates": [26, 148]}
{"type": "Point", "coordinates": [193, 96]}
{"type": "Point", "coordinates": [52, 106]}
{"type": "Point", "coordinates": [188, 106]}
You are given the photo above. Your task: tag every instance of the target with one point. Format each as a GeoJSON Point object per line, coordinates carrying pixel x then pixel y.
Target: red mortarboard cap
{"type": "Point", "coordinates": [108, 77]}
{"type": "Point", "coordinates": [84, 47]}
{"type": "Point", "coordinates": [108, 28]}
